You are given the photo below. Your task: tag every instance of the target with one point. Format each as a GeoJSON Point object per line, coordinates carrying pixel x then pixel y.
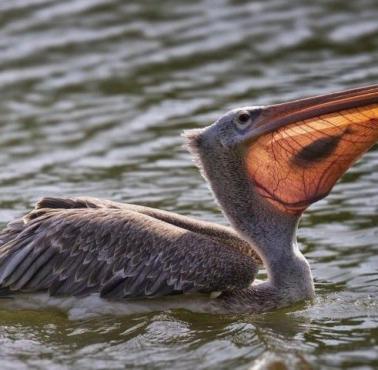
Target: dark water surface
{"type": "Point", "coordinates": [94, 95]}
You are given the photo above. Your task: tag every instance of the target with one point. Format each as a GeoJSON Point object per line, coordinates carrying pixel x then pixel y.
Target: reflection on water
{"type": "Point", "coordinates": [94, 96]}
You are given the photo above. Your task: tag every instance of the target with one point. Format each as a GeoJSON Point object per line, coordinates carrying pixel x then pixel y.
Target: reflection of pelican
{"type": "Point", "coordinates": [265, 165]}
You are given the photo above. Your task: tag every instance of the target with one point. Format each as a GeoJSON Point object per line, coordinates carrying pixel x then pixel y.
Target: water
{"type": "Point", "coordinates": [94, 95]}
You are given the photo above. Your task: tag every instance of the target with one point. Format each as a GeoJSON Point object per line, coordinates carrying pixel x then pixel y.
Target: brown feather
{"type": "Point", "coordinates": [118, 253]}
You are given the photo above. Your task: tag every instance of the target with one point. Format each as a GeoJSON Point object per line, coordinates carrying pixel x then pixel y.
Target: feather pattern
{"type": "Point", "coordinates": [84, 245]}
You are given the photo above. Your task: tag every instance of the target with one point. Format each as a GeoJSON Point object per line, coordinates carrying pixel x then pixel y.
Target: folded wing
{"type": "Point", "coordinates": [117, 253]}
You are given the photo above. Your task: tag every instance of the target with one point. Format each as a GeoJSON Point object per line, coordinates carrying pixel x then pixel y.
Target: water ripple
{"type": "Point", "coordinates": [94, 97]}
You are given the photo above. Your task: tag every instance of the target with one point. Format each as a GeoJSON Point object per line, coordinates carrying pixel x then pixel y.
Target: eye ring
{"type": "Point", "coordinates": [242, 119]}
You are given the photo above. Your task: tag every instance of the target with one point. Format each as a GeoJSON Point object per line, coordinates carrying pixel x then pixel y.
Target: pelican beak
{"type": "Point", "coordinates": [296, 151]}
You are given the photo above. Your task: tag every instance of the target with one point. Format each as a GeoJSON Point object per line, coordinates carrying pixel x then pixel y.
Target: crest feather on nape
{"type": "Point", "coordinates": [192, 144]}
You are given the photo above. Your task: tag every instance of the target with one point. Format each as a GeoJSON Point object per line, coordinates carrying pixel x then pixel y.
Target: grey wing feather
{"type": "Point", "coordinates": [224, 234]}
{"type": "Point", "coordinates": [116, 252]}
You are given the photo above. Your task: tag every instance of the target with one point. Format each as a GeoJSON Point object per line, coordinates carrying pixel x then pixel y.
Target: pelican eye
{"type": "Point", "coordinates": [242, 119]}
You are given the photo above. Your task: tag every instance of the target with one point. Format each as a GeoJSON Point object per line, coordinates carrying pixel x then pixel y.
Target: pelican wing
{"type": "Point", "coordinates": [220, 233]}
{"type": "Point", "coordinates": [119, 253]}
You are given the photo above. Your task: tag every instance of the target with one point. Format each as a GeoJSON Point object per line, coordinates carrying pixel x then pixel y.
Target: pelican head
{"type": "Point", "coordinates": [266, 165]}
{"type": "Point", "coordinates": [292, 154]}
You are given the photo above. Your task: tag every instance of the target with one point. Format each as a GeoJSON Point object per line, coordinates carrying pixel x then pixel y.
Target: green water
{"type": "Point", "coordinates": [94, 95]}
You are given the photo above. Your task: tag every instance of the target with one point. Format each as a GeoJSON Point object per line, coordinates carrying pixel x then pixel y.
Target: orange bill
{"type": "Point", "coordinates": [297, 162]}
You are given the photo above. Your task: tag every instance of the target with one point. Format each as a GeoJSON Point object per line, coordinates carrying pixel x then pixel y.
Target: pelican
{"type": "Point", "coordinates": [265, 165]}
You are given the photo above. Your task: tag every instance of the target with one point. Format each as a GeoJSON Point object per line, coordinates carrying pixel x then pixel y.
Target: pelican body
{"type": "Point", "coordinates": [265, 166]}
